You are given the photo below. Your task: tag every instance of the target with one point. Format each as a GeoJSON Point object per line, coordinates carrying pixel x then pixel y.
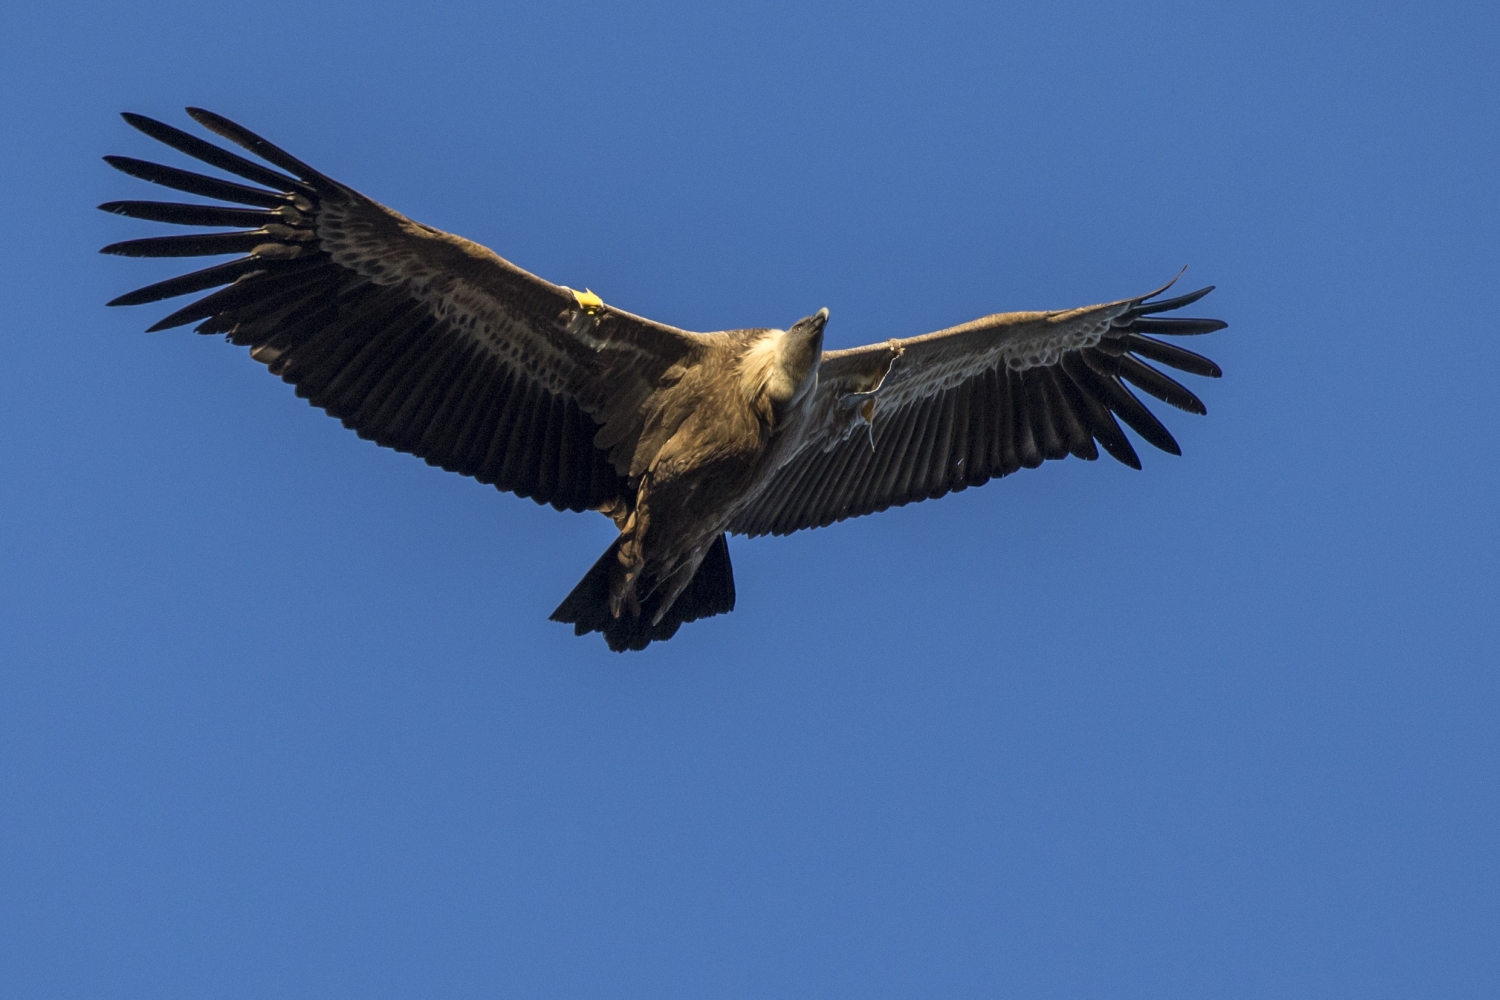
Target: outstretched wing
{"type": "Point", "coordinates": [907, 420]}
{"type": "Point", "coordinates": [414, 338]}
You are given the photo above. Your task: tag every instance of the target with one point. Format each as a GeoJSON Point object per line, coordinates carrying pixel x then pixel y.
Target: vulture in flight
{"type": "Point", "coordinates": [430, 344]}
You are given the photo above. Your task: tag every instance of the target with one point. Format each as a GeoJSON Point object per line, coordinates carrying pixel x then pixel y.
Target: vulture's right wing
{"type": "Point", "coordinates": [956, 408]}
{"type": "Point", "coordinates": [417, 339]}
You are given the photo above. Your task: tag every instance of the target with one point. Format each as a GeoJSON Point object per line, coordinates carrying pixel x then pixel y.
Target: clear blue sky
{"type": "Point", "coordinates": [281, 714]}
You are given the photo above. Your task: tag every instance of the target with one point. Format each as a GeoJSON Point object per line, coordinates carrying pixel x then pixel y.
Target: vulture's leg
{"type": "Point", "coordinates": [632, 556]}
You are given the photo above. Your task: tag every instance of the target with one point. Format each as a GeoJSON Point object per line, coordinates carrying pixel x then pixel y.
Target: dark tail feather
{"type": "Point", "coordinates": [712, 590]}
{"type": "Point", "coordinates": [587, 607]}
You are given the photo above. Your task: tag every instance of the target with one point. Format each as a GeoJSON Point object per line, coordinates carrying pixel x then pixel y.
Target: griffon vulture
{"type": "Point", "coordinates": [428, 343]}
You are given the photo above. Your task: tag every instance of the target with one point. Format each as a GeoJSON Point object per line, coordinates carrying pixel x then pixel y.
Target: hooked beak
{"type": "Point", "coordinates": [813, 325]}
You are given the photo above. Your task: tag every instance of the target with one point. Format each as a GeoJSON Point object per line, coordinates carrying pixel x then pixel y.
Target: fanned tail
{"type": "Point", "coordinates": [711, 592]}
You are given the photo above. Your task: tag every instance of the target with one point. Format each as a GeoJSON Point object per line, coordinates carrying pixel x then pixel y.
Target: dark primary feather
{"type": "Point", "coordinates": [1163, 387]}
{"type": "Point", "coordinates": [190, 215]}
{"type": "Point", "coordinates": [196, 281]}
{"type": "Point", "coordinates": [209, 153]}
{"type": "Point", "coordinates": [243, 137]}
{"type": "Point", "coordinates": [192, 183]}
{"type": "Point", "coordinates": [1172, 355]}
{"type": "Point", "coordinates": [205, 245]}
{"type": "Point", "coordinates": [287, 286]}
{"type": "Point", "coordinates": [1178, 327]}
{"type": "Point", "coordinates": [1168, 305]}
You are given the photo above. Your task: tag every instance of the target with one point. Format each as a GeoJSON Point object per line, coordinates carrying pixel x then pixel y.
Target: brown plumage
{"type": "Point", "coordinates": [427, 343]}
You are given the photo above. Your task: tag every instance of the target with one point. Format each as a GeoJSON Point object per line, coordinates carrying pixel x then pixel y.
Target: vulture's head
{"type": "Point", "coordinates": [782, 367]}
{"type": "Point", "coordinates": [802, 347]}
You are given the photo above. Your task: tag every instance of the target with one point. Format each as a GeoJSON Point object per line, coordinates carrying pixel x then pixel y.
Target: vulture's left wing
{"type": "Point", "coordinates": [415, 338]}
{"type": "Point", "coordinates": [907, 420]}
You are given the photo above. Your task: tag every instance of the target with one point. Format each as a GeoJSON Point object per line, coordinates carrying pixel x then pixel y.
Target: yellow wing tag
{"type": "Point", "coordinates": [588, 301]}
{"type": "Point", "coordinates": [583, 321]}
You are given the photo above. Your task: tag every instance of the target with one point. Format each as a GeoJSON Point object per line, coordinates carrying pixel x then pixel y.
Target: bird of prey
{"type": "Point", "coordinates": [427, 343]}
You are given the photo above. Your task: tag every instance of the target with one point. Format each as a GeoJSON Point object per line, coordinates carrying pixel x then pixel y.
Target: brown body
{"type": "Point", "coordinates": [710, 442]}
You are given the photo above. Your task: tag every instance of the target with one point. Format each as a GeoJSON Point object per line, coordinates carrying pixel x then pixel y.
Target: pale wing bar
{"type": "Point", "coordinates": [370, 352]}
{"type": "Point", "coordinates": [994, 423]}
